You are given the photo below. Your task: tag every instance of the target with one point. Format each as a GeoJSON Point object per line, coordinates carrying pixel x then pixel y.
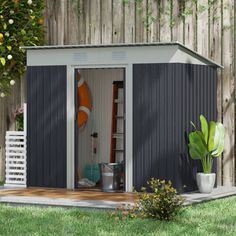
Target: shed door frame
{"type": "Point", "coordinates": [128, 121]}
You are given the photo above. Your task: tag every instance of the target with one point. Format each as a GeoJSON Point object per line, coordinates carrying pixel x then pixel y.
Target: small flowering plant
{"type": "Point", "coordinates": [19, 118]}
{"type": "Point", "coordinates": [163, 203]}
{"type": "Point", "coordinates": [21, 23]}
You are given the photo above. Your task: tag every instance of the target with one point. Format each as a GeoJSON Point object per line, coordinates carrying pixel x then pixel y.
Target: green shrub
{"type": "Point", "coordinates": [19, 118]}
{"type": "Point", "coordinates": [21, 24]}
{"type": "Point", "coordinates": [164, 203]}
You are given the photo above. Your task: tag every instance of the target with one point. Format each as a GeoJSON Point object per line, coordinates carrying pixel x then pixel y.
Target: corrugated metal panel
{"type": "Point", "coordinates": [46, 126]}
{"type": "Point", "coordinates": [100, 84]}
{"type": "Point", "coordinates": [166, 98]}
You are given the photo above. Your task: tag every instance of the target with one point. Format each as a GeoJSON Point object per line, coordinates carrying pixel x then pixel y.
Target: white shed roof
{"type": "Point", "coordinates": [159, 52]}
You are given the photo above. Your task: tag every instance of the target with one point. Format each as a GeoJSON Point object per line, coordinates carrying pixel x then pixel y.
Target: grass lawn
{"type": "Point", "coordinates": [212, 218]}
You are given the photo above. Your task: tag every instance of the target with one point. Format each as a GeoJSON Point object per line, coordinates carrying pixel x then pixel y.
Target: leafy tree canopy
{"type": "Point", "coordinates": [21, 23]}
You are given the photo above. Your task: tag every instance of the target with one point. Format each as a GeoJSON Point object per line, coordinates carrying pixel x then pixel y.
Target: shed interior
{"type": "Point", "coordinates": [101, 139]}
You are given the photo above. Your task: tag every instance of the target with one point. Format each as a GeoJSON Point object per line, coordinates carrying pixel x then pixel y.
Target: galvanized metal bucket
{"type": "Point", "coordinates": [111, 176]}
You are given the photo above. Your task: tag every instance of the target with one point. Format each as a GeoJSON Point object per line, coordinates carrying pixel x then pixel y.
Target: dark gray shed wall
{"type": "Point", "coordinates": [46, 126]}
{"type": "Point", "coordinates": [166, 97]}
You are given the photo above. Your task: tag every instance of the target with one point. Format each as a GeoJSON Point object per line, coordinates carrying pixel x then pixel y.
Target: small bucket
{"type": "Point", "coordinates": [111, 176]}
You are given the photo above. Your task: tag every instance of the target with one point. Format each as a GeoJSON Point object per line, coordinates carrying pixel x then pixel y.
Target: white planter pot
{"type": "Point", "coordinates": [206, 182]}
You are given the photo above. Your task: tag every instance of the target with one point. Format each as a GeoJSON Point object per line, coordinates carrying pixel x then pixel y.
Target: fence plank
{"type": "Point", "coordinates": [190, 25]}
{"type": "Point", "coordinates": [60, 22]}
{"type": "Point", "coordinates": [73, 24]}
{"type": "Point", "coordinates": [118, 22]}
{"type": "Point", "coordinates": [2, 136]}
{"type": "Point", "coordinates": [87, 7]}
{"type": "Point", "coordinates": [81, 22]}
{"type": "Point", "coordinates": [95, 22]}
{"type": "Point", "coordinates": [153, 22]}
{"type": "Point", "coordinates": [215, 54]}
{"type": "Point", "coordinates": [165, 29]}
{"type": "Point", "coordinates": [202, 35]}
{"type": "Point", "coordinates": [129, 22]}
{"type": "Point", "coordinates": [178, 21]}
{"type": "Point", "coordinates": [228, 93]}
{"type": "Point", "coordinates": [140, 21]}
{"type": "Point", "coordinates": [106, 15]}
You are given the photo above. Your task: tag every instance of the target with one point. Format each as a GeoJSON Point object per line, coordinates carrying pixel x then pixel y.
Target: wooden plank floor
{"type": "Point", "coordinates": [69, 194]}
{"type": "Point", "coordinates": [93, 198]}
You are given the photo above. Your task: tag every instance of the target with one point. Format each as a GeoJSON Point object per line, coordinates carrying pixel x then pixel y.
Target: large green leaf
{"type": "Point", "coordinates": [204, 128]}
{"type": "Point", "coordinates": [200, 134]}
{"type": "Point", "coordinates": [197, 144]}
{"type": "Point", "coordinates": [194, 152]}
{"type": "Point", "coordinates": [218, 140]}
{"type": "Point", "coordinates": [212, 130]}
{"type": "Point", "coordinates": [207, 143]}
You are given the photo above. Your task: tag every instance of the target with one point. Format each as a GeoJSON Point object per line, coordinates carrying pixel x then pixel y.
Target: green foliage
{"type": "Point", "coordinates": [21, 23]}
{"type": "Point", "coordinates": [19, 118]}
{"type": "Point", "coordinates": [211, 138]}
{"type": "Point", "coordinates": [187, 12]}
{"type": "Point", "coordinates": [207, 143]}
{"type": "Point", "coordinates": [163, 203]}
{"type": "Point", "coordinates": [186, 9]}
{"type": "Point", "coordinates": [204, 127]}
{"type": "Point", "coordinates": [202, 8]}
{"type": "Point", "coordinates": [20, 122]}
{"type": "Point", "coordinates": [212, 218]}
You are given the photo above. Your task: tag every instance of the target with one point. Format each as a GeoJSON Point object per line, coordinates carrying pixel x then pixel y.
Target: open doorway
{"type": "Point", "coordinates": [100, 140]}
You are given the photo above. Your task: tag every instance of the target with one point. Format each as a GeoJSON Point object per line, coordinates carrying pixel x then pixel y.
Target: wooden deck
{"type": "Point", "coordinates": [93, 198]}
{"type": "Point", "coordinates": [80, 195]}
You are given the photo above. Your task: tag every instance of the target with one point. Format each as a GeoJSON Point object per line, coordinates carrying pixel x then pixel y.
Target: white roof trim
{"type": "Point", "coordinates": [180, 46]}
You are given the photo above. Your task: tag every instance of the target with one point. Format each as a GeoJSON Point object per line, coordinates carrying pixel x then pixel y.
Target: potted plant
{"type": "Point", "coordinates": [205, 145]}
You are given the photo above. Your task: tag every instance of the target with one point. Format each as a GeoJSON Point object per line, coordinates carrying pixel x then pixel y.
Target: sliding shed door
{"type": "Point", "coordinates": [46, 126]}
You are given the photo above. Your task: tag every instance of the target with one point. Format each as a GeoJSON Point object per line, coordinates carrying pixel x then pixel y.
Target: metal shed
{"type": "Point", "coordinates": [166, 85]}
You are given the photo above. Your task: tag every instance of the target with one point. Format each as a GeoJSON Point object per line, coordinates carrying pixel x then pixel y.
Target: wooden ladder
{"type": "Point", "coordinates": [116, 102]}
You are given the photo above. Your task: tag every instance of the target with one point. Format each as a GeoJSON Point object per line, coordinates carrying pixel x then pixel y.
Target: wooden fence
{"type": "Point", "coordinates": [207, 26]}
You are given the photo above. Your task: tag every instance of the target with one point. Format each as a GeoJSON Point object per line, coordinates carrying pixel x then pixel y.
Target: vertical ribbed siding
{"type": "Point", "coordinates": [46, 126]}
{"type": "Point", "coordinates": [166, 97]}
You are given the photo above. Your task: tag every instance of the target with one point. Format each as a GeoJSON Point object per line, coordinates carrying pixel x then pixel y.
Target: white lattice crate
{"type": "Point", "coordinates": [15, 158]}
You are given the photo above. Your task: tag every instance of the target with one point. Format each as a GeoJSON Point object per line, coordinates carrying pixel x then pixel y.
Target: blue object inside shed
{"type": "Point", "coordinates": [92, 172]}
